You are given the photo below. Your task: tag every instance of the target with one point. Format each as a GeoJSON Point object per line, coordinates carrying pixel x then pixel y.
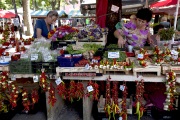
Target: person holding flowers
{"type": "Point", "coordinates": [43, 26]}
{"type": "Point", "coordinates": [135, 34]}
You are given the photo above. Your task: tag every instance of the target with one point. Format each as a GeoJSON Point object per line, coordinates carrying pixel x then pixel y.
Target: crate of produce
{"type": "Point", "coordinates": [58, 44]}
{"type": "Point", "coordinates": [50, 67]}
{"type": "Point", "coordinates": [20, 67]}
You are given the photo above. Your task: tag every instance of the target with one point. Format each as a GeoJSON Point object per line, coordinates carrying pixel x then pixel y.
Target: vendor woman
{"type": "Point", "coordinates": [43, 26]}
{"type": "Point", "coordinates": [135, 34]}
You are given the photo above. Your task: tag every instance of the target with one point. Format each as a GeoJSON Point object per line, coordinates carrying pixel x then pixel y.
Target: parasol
{"type": "Point", "coordinates": [6, 14]}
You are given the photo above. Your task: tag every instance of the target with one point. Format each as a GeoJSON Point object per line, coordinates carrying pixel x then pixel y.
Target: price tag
{"type": "Point", "coordinates": [90, 88]}
{"type": "Point", "coordinates": [47, 58]}
{"type": "Point", "coordinates": [24, 56]}
{"type": "Point", "coordinates": [10, 46]}
{"type": "Point", "coordinates": [7, 58]}
{"type": "Point", "coordinates": [58, 81]}
{"type": "Point", "coordinates": [35, 79]}
{"type": "Point", "coordinates": [67, 55]}
{"type": "Point", "coordinates": [113, 54]}
{"type": "Point", "coordinates": [122, 87]}
{"type": "Point", "coordinates": [75, 47]}
{"type": "Point", "coordinates": [34, 57]}
{"type": "Point", "coordinates": [114, 8]}
{"type": "Point", "coordinates": [13, 77]}
{"type": "Point", "coordinates": [174, 52]}
{"type": "Point", "coordinates": [120, 118]}
{"type": "Point", "coordinates": [87, 66]}
{"type": "Point", "coordinates": [64, 47]}
{"type": "Point", "coordinates": [140, 56]}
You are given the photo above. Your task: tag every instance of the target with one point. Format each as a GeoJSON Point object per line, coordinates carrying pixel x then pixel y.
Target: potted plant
{"type": "Point", "coordinates": [166, 36]}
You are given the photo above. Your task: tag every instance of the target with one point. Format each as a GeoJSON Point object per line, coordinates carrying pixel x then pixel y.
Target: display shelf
{"type": "Point", "coordinates": [130, 78]}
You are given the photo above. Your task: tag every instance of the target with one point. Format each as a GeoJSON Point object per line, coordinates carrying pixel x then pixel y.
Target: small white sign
{"type": "Point", "coordinates": [114, 8]}
{"type": "Point", "coordinates": [122, 87]}
{"type": "Point", "coordinates": [120, 118]}
{"type": "Point", "coordinates": [64, 47]}
{"type": "Point", "coordinates": [35, 79]}
{"type": "Point", "coordinates": [58, 81]}
{"type": "Point", "coordinates": [24, 56]}
{"type": "Point", "coordinates": [47, 58]}
{"type": "Point", "coordinates": [7, 58]}
{"type": "Point", "coordinates": [140, 56]}
{"type": "Point", "coordinates": [67, 55]}
{"type": "Point", "coordinates": [34, 57]}
{"type": "Point", "coordinates": [87, 66]}
{"type": "Point", "coordinates": [90, 88]}
{"type": "Point", "coordinates": [174, 52]}
{"type": "Point", "coordinates": [13, 77]}
{"type": "Point", "coordinates": [113, 54]}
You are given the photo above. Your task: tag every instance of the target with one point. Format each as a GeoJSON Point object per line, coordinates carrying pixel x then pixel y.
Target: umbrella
{"type": "Point", "coordinates": [6, 14]}
{"type": "Point", "coordinates": [164, 3]}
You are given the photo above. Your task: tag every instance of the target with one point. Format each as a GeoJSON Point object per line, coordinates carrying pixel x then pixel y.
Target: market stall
{"type": "Point", "coordinates": [76, 65]}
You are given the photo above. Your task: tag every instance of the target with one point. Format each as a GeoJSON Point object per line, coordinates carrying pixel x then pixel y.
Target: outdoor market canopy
{"type": "Point", "coordinates": [164, 3]}
{"type": "Point", "coordinates": [43, 13]}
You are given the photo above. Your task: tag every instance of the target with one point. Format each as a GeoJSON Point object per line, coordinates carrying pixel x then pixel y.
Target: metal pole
{"type": "Point", "coordinates": [176, 16]}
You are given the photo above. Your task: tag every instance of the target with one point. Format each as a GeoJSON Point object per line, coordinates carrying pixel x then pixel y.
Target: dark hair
{"type": "Point", "coordinates": [144, 14]}
{"type": "Point", "coordinates": [52, 13]}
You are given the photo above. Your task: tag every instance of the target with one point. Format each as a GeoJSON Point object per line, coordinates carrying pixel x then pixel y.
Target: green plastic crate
{"type": "Point", "coordinates": [20, 67]}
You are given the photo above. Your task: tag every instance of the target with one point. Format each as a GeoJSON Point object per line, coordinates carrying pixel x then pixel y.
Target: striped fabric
{"type": "Point", "coordinates": [43, 13]}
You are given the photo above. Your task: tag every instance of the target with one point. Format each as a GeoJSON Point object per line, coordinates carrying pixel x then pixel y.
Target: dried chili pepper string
{"type": "Point", "coordinates": [13, 91]}
{"type": "Point", "coordinates": [61, 90]}
{"type": "Point", "coordinates": [123, 113]}
{"type": "Point", "coordinates": [34, 96]}
{"type": "Point", "coordinates": [115, 107]}
{"type": "Point", "coordinates": [52, 100]}
{"type": "Point", "coordinates": [139, 98]}
{"type": "Point", "coordinates": [25, 100]}
{"type": "Point", "coordinates": [71, 91]}
{"type": "Point", "coordinates": [79, 94]}
{"type": "Point", "coordinates": [107, 107]}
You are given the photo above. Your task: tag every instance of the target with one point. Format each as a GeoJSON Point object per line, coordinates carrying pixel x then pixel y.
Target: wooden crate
{"type": "Point", "coordinates": [105, 71]}
{"type": "Point", "coordinates": [101, 41]}
{"type": "Point", "coordinates": [167, 68]}
{"type": "Point", "coordinates": [148, 69]}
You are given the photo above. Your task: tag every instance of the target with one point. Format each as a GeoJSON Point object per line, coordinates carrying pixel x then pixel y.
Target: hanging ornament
{"type": "Point", "coordinates": [52, 99]}
{"type": "Point", "coordinates": [170, 90]}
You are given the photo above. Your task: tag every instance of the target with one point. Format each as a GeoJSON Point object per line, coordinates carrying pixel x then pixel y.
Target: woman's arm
{"type": "Point", "coordinates": [121, 41]}
{"type": "Point", "coordinates": [39, 32]}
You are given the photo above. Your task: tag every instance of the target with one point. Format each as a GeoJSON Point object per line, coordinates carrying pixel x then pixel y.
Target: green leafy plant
{"type": "Point", "coordinates": [166, 34]}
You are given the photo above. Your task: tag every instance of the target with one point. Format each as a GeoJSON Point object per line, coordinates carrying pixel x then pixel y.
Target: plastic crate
{"type": "Point", "coordinates": [20, 67]}
{"type": "Point", "coordinates": [50, 67]}
{"type": "Point", "coordinates": [68, 61]}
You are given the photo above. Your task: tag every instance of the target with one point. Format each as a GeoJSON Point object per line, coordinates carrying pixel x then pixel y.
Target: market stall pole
{"type": "Point", "coordinates": [176, 16]}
